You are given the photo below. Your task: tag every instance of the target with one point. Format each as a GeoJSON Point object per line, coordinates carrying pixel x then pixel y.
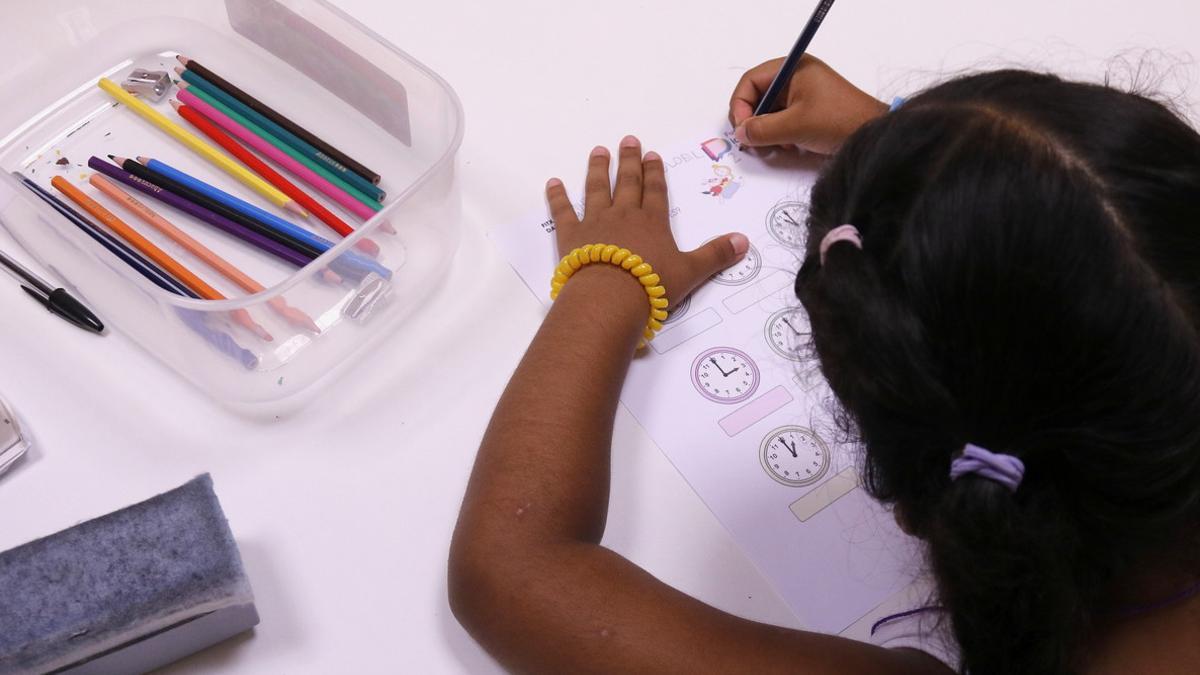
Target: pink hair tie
{"type": "Point", "coordinates": [840, 233]}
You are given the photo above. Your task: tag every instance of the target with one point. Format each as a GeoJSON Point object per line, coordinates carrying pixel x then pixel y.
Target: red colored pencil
{"type": "Point", "coordinates": [271, 175]}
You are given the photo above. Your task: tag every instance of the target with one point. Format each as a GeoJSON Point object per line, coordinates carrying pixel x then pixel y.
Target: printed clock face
{"type": "Point", "coordinates": [725, 375]}
{"type": "Point", "coordinates": [794, 456]}
{"type": "Point", "coordinates": [742, 271]}
{"type": "Point", "coordinates": [785, 222]}
{"type": "Point", "coordinates": [678, 311]}
{"type": "Point", "coordinates": [788, 334]}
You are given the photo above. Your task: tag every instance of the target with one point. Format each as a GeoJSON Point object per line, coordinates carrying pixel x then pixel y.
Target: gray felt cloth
{"type": "Point", "coordinates": [105, 583]}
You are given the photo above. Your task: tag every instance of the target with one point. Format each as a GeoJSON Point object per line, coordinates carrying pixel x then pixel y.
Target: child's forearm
{"type": "Point", "coordinates": [543, 467]}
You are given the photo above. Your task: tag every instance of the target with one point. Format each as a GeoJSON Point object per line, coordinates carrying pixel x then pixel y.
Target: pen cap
{"type": "Point", "coordinates": [63, 304]}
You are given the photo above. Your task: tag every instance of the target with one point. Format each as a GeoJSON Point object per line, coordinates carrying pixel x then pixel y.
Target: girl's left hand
{"type": "Point", "coordinates": [634, 215]}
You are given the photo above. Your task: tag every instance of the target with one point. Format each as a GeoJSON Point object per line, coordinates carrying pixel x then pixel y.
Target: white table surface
{"type": "Point", "coordinates": [344, 514]}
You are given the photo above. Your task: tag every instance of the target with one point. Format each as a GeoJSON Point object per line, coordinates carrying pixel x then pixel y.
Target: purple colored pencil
{"type": "Point", "coordinates": [195, 210]}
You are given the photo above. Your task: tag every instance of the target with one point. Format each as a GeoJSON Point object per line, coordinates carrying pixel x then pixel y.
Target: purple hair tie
{"type": "Point", "coordinates": [1003, 469]}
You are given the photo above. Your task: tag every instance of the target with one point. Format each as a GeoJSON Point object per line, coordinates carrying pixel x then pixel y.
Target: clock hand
{"type": "Point", "coordinates": [714, 362]}
{"type": "Point", "coordinates": [791, 448]}
{"type": "Point", "coordinates": [790, 220]}
{"type": "Point", "coordinates": [789, 325]}
{"type": "Point", "coordinates": [733, 371]}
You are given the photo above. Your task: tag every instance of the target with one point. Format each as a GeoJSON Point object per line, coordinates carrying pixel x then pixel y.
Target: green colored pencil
{"type": "Point", "coordinates": [285, 148]}
{"type": "Point", "coordinates": [346, 175]}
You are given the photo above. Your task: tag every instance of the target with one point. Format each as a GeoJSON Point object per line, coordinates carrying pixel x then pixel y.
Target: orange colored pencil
{"type": "Point", "coordinates": [156, 254]}
{"type": "Point", "coordinates": [224, 267]}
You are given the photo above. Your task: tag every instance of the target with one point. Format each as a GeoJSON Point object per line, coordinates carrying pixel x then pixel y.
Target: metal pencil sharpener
{"type": "Point", "coordinates": [151, 85]}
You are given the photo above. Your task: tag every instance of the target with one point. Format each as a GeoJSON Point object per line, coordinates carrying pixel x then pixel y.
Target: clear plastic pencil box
{"type": "Point", "coordinates": [304, 58]}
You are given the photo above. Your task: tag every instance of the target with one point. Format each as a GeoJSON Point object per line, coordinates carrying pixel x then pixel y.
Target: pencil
{"type": "Point", "coordinates": [221, 340]}
{"type": "Point", "coordinates": [327, 149]}
{"type": "Point", "coordinates": [341, 185]}
{"type": "Point", "coordinates": [213, 205]}
{"type": "Point", "coordinates": [767, 103]}
{"type": "Point", "coordinates": [202, 214]}
{"type": "Point", "coordinates": [198, 146]}
{"type": "Point", "coordinates": [139, 264]}
{"type": "Point", "coordinates": [251, 211]}
{"type": "Point", "coordinates": [272, 152]}
{"type": "Point", "coordinates": [271, 175]}
{"type": "Point", "coordinates": [154, 253]}
{"type": "Point", "coordinates": [222, 266]}
{"type": "Point", "coordinates": [251, 216]}
{"type": "Point", "coordinates": [361, 184]}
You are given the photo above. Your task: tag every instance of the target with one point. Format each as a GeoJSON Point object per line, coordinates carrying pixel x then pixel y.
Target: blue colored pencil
{"type": "Point", "coordinates": [194, 320]}
{"type": "Point", "coordinates": [305, 148]}
{"type": "Point", "coordinates": [267, 218]}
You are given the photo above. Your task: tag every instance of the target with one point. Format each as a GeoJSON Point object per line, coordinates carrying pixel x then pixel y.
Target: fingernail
{"type": "Point", "coordinates": [630, 141]}
{"type": "Point", "coordinates": [553, 183]}
{"type": "Point", "coordinates": [740, 244]}
{"type": "Point", "coordinates": [652, 156]}
{"type": "Point", "coordinates": [739, 134]}
{"type": "Point", "coordinates": [599, 151]}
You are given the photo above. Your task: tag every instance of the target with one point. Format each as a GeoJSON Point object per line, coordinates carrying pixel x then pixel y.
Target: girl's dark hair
{"type": "Point", "coordinates": [1029, 282]}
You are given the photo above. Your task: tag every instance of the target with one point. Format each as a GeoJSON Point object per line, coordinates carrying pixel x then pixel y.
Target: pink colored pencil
{"type": "Point", "coordinates": [276, 155]}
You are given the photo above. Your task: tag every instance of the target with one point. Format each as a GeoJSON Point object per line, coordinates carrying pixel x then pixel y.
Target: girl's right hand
{"type": "Point", "coordinates": [817, 111]}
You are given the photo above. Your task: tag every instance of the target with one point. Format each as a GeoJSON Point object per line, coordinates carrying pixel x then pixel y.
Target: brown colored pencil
{"type": "Point", "coordinates": [261, 108]}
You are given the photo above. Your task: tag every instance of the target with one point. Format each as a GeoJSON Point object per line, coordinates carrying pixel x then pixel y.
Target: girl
{"type": "Point", "coordinates": [1005, 299]}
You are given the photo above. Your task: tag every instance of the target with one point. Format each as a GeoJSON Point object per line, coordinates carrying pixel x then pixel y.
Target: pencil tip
{"type": "Point", "coordinates": [181, 84]}
{"type": "Point", "coordinates": [143, 159]}
{"type": "Point", "coordinates": [112, 158]}
{"type": "Point", "coordinates": [295, 208]}
{"type": "Point", "coordinates": [175, 104]}
{"type": "Point", "coordinates": [178, 70]}
{"type": "Point", "coordinates": [182, 59]}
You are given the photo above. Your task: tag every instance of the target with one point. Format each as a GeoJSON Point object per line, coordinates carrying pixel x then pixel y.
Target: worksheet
{"type": "Point", "coordinates": [731, 392]}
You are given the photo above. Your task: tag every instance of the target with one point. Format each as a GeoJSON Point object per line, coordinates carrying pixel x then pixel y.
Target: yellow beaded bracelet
{"type": "Point", "coordinates": [622, 257]}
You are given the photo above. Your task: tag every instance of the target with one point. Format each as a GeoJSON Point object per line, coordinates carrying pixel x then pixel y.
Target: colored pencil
{"type": "Point", "coordinates": [197, 145]}
{"type": "Point", "coordinates": [271, 175]}
{"type": "Point", "coordinates": [202, 214]}
{"type": "Point", "coordinates": [341, 185]}
{"type": "Point", "coordinates": [784, 77]}
{"type": "Point", "coordinates": [253, 138]}
{"type": "Point", "coordinates": [213, 205]}
{"type": "Point", "coordinates": [305, 150]}
{"type": "Point", "coordinates": [331, 152]}
{"type": "Point", "coordinates": [222, 266]}
{"type": "Point", "coordinates": [155, 254]}
{"type": "Point", "coordinates": [221, 340]}
{"type": "Point", "coordinates": [251, 212]}
{"type": "Point", "coordinates": [140, 265]}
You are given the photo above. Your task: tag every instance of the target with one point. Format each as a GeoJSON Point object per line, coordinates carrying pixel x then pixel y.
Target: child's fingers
{"type": "Point", "coordinates": [597, 190]}
{"type": "Point", "coordinates": [561, 210]}
{"type": "Point", "coordinates": [628, 190]}
{"type": "Point", "coordinates": [654, 183]}
{"type": "Point", "coordinates": [777, 128]}
{"type": "Point", "coordinates": [718, 254]}
{"type": "Point", "coordinates": [750, 89]}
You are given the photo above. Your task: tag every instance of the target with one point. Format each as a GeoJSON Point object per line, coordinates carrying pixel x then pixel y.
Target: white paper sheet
{"type": "Point", "coordinates": [730, 392]}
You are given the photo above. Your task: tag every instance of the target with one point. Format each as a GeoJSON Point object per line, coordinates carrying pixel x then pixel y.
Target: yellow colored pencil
{"type": "Point", "coordinates": [197, 145]}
